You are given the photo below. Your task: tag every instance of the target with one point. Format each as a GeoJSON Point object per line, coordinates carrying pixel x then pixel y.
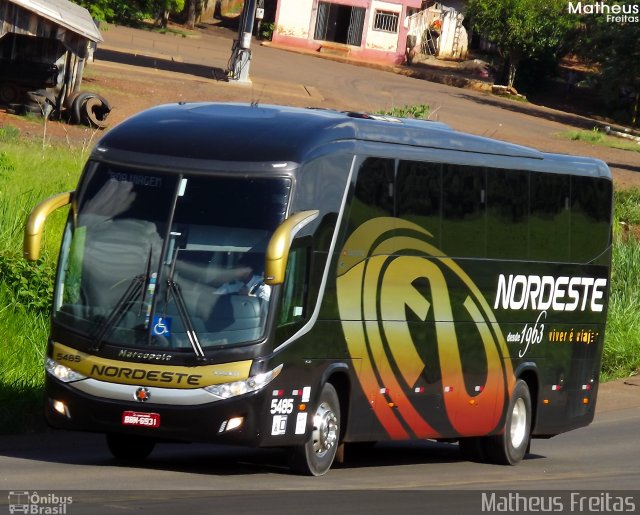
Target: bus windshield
{"type": "Point", "coordinates": [174, 261]}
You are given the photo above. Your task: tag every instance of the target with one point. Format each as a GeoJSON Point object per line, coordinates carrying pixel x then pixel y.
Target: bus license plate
{"type": "Point", "coordinates": [135, 418]}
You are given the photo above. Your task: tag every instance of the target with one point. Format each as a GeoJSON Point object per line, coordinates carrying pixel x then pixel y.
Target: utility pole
{"type": "Point", "coordinates": [241, 50]}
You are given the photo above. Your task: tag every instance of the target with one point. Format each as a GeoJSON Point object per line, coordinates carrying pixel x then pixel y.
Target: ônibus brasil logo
{"type": "Point", "coordinates": [37, 503]}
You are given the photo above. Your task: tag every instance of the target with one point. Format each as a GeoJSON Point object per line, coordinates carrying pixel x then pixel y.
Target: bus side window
{"type": "Point", "coordinates": [373, 195]}
{"type": "Point", "coordinates": [294, 293]}
{"type": "Point", "coordinates": [507, 214]}
{"type": "Point", "coordinates": [463, 211]}
{"type": "Point", "coordinates": [550, 219]}
{"type": "Point", "coordinates": [419, 195]}
{"type": "Point", "coordinates": [590, 214]}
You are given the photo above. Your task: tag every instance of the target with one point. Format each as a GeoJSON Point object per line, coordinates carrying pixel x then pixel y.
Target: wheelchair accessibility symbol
{"type": "Point", "coordinates": [161, 326]}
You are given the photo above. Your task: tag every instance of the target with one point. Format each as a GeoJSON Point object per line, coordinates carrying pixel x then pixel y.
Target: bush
{"type": "Point", "coordinates": [266, 31]}
{"type": "Point", "coordinates": [29, 284]}
{"type": "Point", "coordinates": [419, 112]}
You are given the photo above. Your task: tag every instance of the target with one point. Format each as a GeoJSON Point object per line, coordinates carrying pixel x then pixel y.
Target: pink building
{"type": "Point", "coordinates": [370, 30]}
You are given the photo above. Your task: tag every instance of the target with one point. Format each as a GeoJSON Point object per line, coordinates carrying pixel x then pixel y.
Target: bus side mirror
{"type": "Point", "coordinates": [35, 223]}
{"type": "Point", "coordinates": [280, 244]}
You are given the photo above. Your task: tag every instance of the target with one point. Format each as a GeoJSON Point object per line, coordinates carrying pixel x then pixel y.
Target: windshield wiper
{"type": "Point", "coordinates": [132, 292]}
{"type": "Point", "coordinates": [174, 288]}
{"type": "Point", "coordinates": [118, 311]}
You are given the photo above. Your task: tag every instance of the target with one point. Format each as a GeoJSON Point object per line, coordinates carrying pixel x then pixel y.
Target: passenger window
{"type": "Point", "coordinates": [590, 214]}
{"type": "Point", "coordinates": [294, 292]}
{"type": "Point", "coordinates": [507, 214]}
{"type": "Point", "coordinates": [463, 211]}
{"type": "Point", "coordinates": [373, 196]}
{"type": "Point", "coordinates": [550, 222]}
{"type": "Point", "coordinates": [419, 195]}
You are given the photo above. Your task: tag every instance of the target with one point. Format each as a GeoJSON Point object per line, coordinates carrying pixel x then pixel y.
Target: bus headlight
{"type": "Point", "coordinates": [227, 390]}
{"type": "Point", "coordinates": [65, 374]}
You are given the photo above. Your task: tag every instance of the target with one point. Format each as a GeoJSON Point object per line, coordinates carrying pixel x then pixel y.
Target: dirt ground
{"type": "Point", "coordinates": [129, 95]}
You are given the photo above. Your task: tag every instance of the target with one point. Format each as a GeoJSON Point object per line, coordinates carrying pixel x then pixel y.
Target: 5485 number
{"type": "Point", "coordinates": [281, 406]}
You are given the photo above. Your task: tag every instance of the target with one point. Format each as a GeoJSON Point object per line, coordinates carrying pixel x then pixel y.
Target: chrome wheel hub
{"type": "Point", "coordinates": [325, 430]}
{"type": "Point", "coordinates": [518, 428]}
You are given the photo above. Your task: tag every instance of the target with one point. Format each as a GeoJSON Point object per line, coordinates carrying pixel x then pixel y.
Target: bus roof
{"type": "Point", "coordinates": [258, 133]}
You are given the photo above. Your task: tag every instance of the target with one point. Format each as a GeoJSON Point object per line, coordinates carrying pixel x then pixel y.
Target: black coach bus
{"type": "Point", "coordinates": [298, 278]}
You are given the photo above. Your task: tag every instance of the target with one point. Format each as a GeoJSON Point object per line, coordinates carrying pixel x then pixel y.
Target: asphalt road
{"type": "Point", "coordinates": [601, 459]}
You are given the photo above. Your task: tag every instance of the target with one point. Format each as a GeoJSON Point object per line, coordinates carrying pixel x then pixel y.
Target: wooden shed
{"type": "Point", "coordinates": [44, 45]}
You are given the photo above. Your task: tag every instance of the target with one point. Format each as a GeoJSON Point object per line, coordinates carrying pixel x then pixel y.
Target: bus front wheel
{"type": "Point", "coordinates": [129, 447]}
{"type": "Point", "coordinates": [316, 456]}
{"type": "Point", "coordinates": [511, 446]}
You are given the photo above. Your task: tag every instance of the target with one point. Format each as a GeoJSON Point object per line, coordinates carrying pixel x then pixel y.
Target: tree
{"type": "Point", "coordinates": [613, 43]}
{"type": "Point", "coordinates": [131, 11]}
{"type": "Point", "coordinates": [163, 8]}
{"type": "Point", "coordinates": [522, 28]}
{"type": "Point", "coordinates": [192, 11]}
{"type": "Point", "coordinates": [101, 10]}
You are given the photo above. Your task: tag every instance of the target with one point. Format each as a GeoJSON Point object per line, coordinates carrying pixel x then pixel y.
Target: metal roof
{"type": "Point", "coordinates": [267, 133]}
{"type": "Point", "coordinates": [64, 13]}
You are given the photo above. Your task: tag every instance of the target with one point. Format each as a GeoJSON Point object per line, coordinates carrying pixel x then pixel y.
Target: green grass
{"type": "Point", "coordinates": [622, 344]}
{"type": "Point", "coordinates": [29, 173]}
{"type": "Point", "coordinates": [627, 207]}
{"type": "Point", "coordinates": [419, 112]}
{"type": "Point", "coordinates": [33, 174]}
{"type": "Point", "coordinates": [22, 363]}
{"type": "Point", "coordinates": [515, 98]}
{"type": "Point", "coordinates": [595, 137]}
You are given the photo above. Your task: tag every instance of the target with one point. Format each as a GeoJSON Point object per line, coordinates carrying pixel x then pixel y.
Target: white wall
{"type": "Point", "coordinates": [380, 40]}
{"type": "Point", "coordinates": [294, 16]}
{"type": "Point", "coordinates": [446, 42]}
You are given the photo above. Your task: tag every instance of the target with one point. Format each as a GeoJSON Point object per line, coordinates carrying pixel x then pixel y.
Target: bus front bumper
{"type": "Point", "coordinates": [232, 421]}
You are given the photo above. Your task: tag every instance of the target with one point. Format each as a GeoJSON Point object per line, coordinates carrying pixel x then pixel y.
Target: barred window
{"type": "Point", "coordinates": [386, 21]}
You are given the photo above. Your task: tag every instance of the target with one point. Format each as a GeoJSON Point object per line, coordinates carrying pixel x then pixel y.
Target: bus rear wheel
{"type": "Point", "coordinates": [129, 447]}
{"type": "Point", "coordinates": [510, 447]}
{"type": "Point", "coordinates": [316, 456]}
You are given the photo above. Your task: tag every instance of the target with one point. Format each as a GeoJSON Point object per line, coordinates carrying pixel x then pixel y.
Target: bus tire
{"type": "Point", "coordinates": [510, 447]}
{"type": "Point", "coordinates": [130, 447]}
{"type": "Point", "coordinates": [316, 456]}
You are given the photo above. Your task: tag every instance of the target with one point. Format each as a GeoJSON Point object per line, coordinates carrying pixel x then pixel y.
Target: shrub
{"type": "Point", "coordinates": [29, 284]}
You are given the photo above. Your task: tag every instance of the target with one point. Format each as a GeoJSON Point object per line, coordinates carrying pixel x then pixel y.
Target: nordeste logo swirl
{"type": "Point", "coordinates": [377, 271]}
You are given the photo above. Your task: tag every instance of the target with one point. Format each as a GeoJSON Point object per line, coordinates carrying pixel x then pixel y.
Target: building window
{"type": "Point", "coordinates": [386, 21]}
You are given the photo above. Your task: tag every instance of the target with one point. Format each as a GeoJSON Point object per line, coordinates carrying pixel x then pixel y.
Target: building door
{"type": "Point", "coordinates": [356, 26]}
{"type": "Point", "coordinates": [339, 23]}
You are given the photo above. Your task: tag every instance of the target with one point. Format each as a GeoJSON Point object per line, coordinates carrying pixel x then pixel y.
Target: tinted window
{"type": "Point", "coordinates": [373, 196]}
{"type": "Point", "coordinates": [507, 214]}
{"type": "Point", "coordinates": [419, 195]}
{"type": "Point", "coordinates": [294, 292]}
{"type": "Point", "coordinates": [590, 215]}
{"type": "Point", "coordinates": [494, 213]}
{"type": "Point", "coordinates": [463, 211]}
{"type": "Point", "coordinates": [550, 221]}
